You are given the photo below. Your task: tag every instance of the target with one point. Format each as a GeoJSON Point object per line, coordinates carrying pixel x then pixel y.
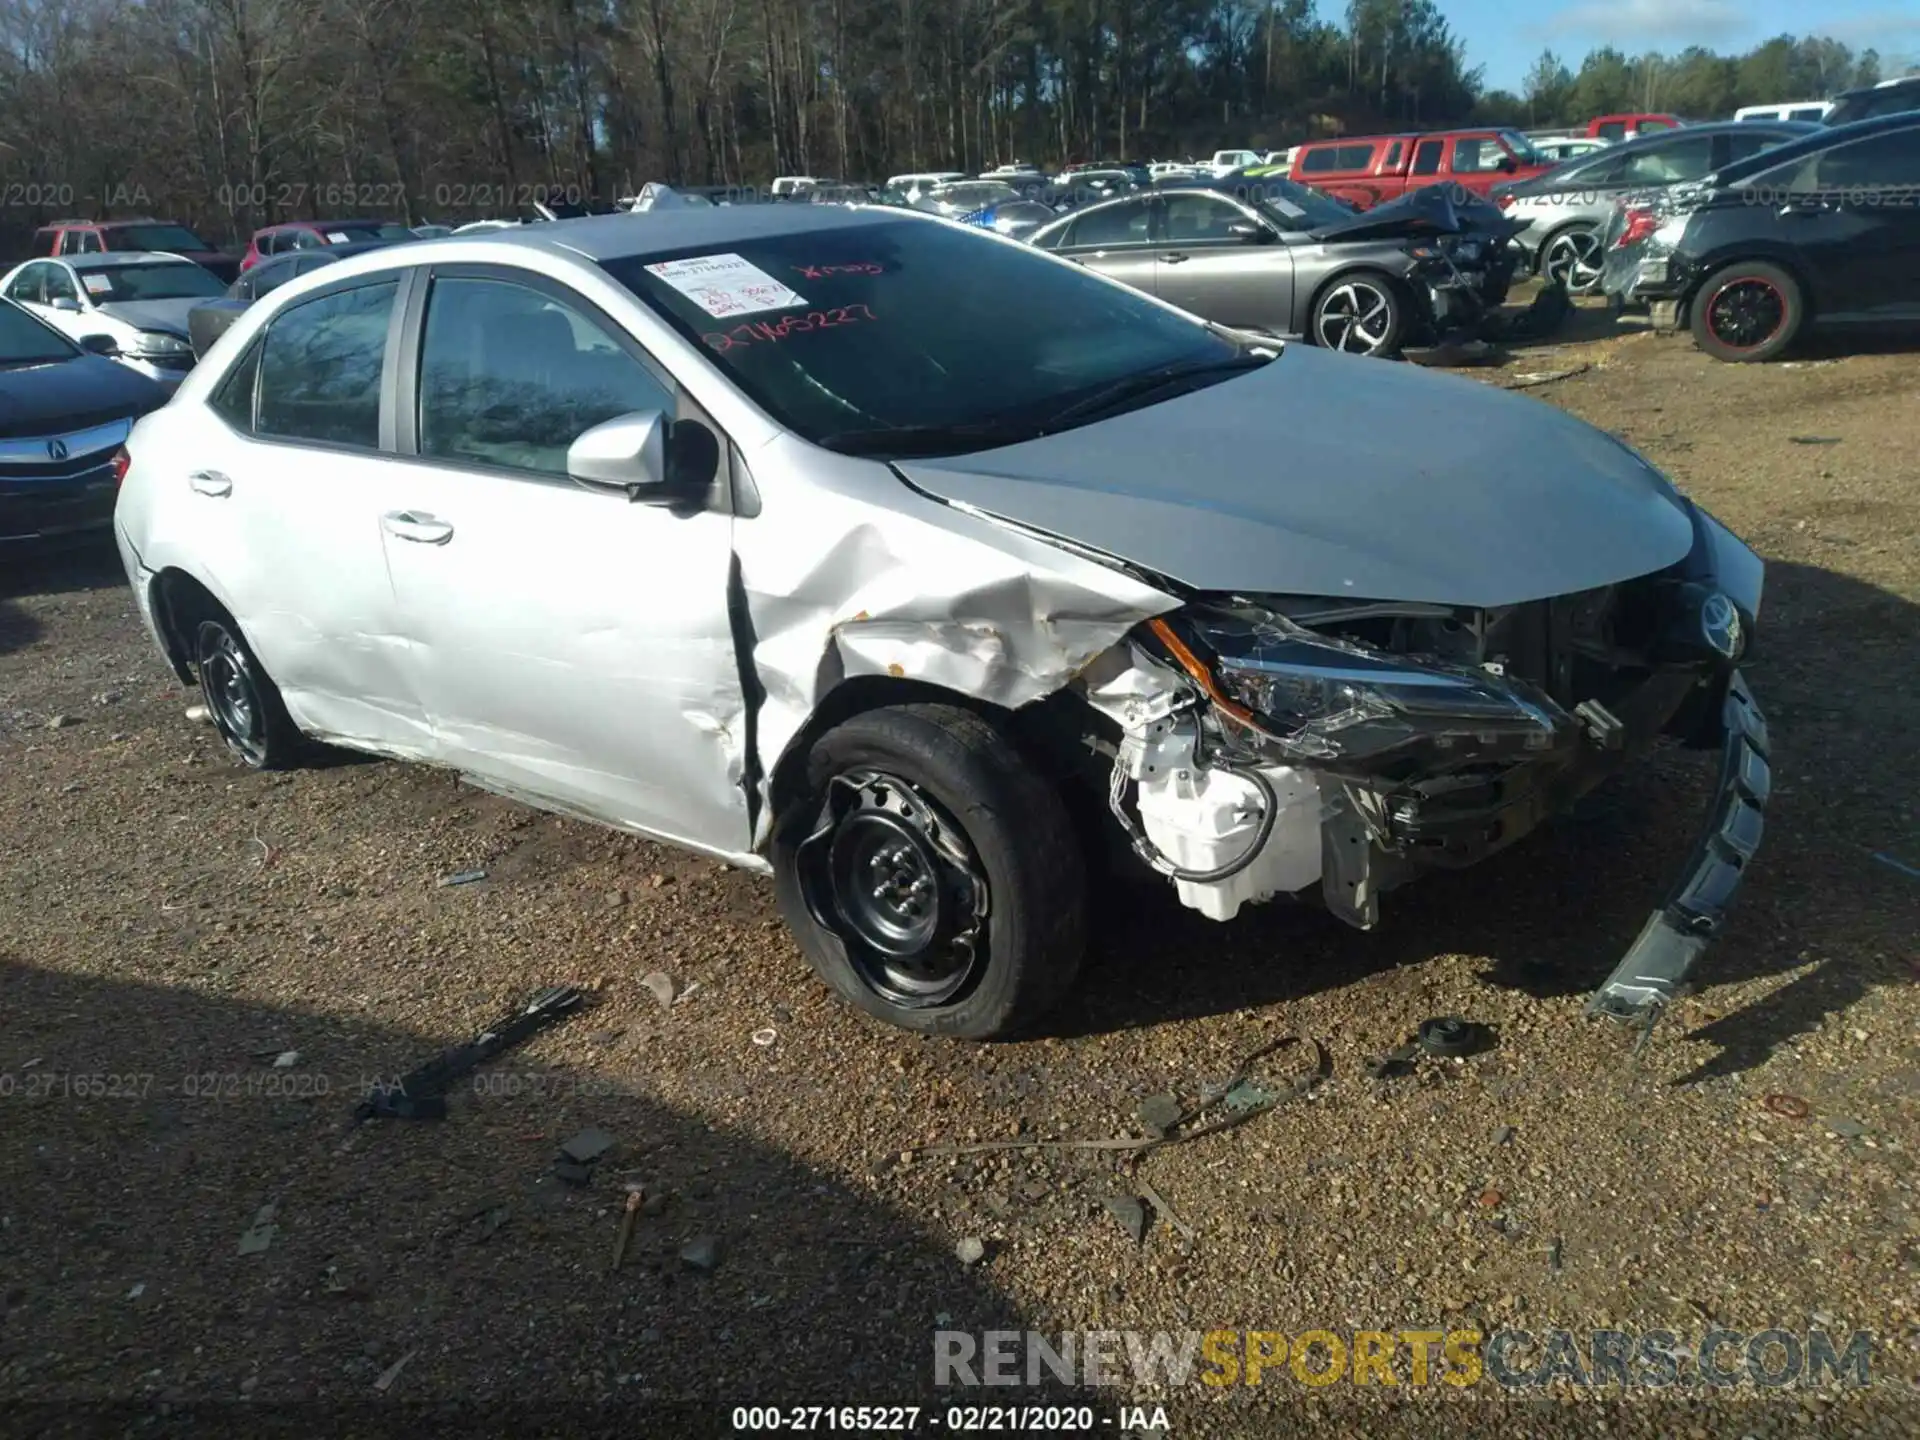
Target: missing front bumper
{"type": "Point", "coordinates": [1654, 970]}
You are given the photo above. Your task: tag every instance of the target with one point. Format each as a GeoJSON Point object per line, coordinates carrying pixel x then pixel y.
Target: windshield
{"type": "Point", "coordinates": [1293, 205]}
{"type": "Point", "coordinates": [25, 341]}
{"type": "Point", "coordinates": [154, 237]}
{"type": "Point", "coordinates": [972, 197]}
{"type": "Point", "coordinates": [149, 282]}
{"type": "Point", "coordinates": [855, 329]}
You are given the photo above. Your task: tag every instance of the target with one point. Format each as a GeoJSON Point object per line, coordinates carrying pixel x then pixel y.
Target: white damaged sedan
{"type": "Point", "coordinates": [739, 529]}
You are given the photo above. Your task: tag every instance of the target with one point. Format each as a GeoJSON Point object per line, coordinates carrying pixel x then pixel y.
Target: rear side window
{"type": "Point", "coordinates": [44, 241]}
{"type": "Point", "coordinates": [1649, 127]}
{"type": "Point", "coordinates": [233, 401]}
{"type": "Point", "coordinates": [1115, 225]}
{"type": "Point", "coordinates": [1612, 130]}
{"type": "Point", "coordinates": [1670, 162]}
{"type": "Point", "coordinates": [1336, 159]}
{"type": "Point", "coordinates": [1426, 157]}
{"type": "Point", "coordinates": [321, 366]}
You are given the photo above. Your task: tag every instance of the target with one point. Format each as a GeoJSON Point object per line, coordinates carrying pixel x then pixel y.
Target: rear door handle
{"type": "Point", "coordinates": [210, 482]}
{"type": "Point", "coordinates": [1174, 259]}
{"type": "Point", "coordinates": [417, 526]}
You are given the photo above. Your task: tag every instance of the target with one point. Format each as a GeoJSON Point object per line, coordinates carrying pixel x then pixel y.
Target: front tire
{"type": "Point", "coordinates": [1359, 313]}
{"type": "Point", "coordinates": [930, 875]}
{"type": "Point", "coordinates": [1748, 312]}
{"type": "Point", "coordinates": [242, 699]}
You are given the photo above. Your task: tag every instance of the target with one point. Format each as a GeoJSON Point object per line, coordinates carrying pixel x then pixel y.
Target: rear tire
{"type": "Point", "coordinates": [1747, 312]}
{"type": "Point", "coordinates": [242, 699]}
{"type": "Point", "coordinates": [1571, 258]}
{"type": "Point", "coordinates": [930, 875]}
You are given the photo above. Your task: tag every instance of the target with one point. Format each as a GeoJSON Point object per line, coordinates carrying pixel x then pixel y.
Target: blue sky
{"type": "Point", "coordinates": [1506, 38]}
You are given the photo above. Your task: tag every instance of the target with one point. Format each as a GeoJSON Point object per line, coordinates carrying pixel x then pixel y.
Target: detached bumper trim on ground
{"type": "Point", "coordinates": [1675, 936]}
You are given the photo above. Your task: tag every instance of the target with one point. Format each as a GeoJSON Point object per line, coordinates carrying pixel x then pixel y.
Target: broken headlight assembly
{"type": "Point", "coordinates": [1315, 700]}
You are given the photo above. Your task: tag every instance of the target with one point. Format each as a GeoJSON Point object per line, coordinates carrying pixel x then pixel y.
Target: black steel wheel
{"type": "Point", "coordinates": [929, 874]}
{"type": "Point", "coordinates": [243, 702]}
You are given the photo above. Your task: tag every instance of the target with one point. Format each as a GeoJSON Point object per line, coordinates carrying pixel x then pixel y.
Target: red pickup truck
{"type": "Point", "coordinates": [1366, 170]}
{"type": "Point", "coordinates": [1625, 127]}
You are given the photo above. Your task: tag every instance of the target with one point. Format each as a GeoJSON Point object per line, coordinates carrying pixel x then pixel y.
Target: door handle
{"type": "Point", "coordinates": [210, 482]}
{"type": "Point", "coordinates": [416, 526]}
{"type": "Point", "coordinates": [1173, 259]}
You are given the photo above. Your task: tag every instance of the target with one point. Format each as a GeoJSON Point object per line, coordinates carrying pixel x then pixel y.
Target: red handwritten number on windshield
{"type": "Point", "coordinates": [767, 331]}
{"type": "Point", "coordinates": [821, 272]}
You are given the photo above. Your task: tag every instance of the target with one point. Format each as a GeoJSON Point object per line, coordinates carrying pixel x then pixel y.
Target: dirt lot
{"type": "Point", "coordinates": [171, 923]}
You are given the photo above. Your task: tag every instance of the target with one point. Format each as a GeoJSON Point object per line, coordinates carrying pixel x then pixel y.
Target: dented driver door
{"type": "Point", "coordinates": [573, 648]}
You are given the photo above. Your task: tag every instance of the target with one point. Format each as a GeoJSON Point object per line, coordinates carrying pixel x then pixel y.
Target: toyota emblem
{"type": "Point", "coordinates": [57, 449]}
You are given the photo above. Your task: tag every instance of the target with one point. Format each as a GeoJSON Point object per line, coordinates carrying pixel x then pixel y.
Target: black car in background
{"type": "Point", "coordinates": [64, 413]}
{"type": "Point", "coordinates": [207, 323]}
{"type": "Point", "coordinates": [1821, 233]}
{"type": "Point", "coordinates": [1889, 97]}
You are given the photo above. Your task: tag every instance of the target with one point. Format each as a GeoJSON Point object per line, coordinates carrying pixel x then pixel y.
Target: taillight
{"type": "Point", "coordinates": [1640, 224]}
{"type": "Point", "coordinates": [121, 460]}
{"type": "Point", "coordinates": [1503, 200]}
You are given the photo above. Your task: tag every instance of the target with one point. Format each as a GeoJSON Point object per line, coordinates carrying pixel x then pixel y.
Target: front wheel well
{"type": "Point", "coordinates": [180, 603]}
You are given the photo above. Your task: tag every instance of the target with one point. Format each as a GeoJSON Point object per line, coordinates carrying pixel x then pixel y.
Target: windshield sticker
{"type": "Point", "coordinates": [725, 285]}
{"type": "Point", "coordinates": [1285, 207]}
{"type": "Point", "coordinates": [769, 330]}
{"type": "Point", "coordinates": [97, 284]}
{"type": "Point", "coordinates": [821, 272]}
{"type": "Point", "coordinates": [338, 237]}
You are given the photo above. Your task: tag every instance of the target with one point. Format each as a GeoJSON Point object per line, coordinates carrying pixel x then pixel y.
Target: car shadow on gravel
{"type": "Point", "coordinates": [147, 1128]}
{"type": "Point", "coordinates": [1555, 913]}
{"type": "Point", "coordinates": [92, 565]}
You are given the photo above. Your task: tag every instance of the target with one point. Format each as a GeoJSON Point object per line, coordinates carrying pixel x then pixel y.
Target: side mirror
{"type": "Point", "coordinates": [66, 303]}
{"type": "Point", "coordinates": [1249, 232]}
{"type": "Point", "coordinates": [649, 459]}
{"type": "Point", "coordinates": [99, 345]}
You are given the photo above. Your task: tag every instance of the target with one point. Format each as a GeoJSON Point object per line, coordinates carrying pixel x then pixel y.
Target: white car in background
{"type": "Point", "coordinates": [1225, 162]}
{"type": "Point", "coordinates": [137, 300]}
{"type": "Point", "coordinates": [1569, 147]}
{"type": "Point", "coordinates": [916, 184]}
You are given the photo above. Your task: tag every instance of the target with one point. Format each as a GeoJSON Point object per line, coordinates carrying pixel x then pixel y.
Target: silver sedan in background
{"type": "Point", "coordinates": [1567, 208]}
{"type": "Point", "coordinates": [914, 565]}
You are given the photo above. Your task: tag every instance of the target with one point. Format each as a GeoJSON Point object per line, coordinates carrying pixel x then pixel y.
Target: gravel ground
{"type": "Point", "coordinates": [172, 924]}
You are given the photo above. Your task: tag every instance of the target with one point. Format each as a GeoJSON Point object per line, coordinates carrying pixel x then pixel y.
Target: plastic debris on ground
{"type": "Point", "coordinates": [259, 1235]}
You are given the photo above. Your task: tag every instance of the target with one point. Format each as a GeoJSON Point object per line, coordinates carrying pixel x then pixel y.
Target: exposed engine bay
{"type": "Point", "coordinates": [1275, 745]}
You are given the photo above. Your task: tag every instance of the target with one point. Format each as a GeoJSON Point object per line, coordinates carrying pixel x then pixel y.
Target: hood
{"type": "Point", "coordinates": [1334, 475]}
{"type": "Point", "coordinates": [1430, 210]}
{"type": "Point", "coordinates": [166, 316]}
{"type": "Point", "coordinates": [67, 395]}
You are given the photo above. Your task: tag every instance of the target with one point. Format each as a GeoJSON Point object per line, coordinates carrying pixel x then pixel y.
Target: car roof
{"type": "Point", "coordinates": [119, 259]}
{"type": "Point", "coordinates": [1876, 89]}
{"type": "Point", "coordinates": [620, 237]}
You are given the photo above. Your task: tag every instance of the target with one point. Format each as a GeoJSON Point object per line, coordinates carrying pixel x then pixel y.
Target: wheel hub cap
{"type": "Point", "coordinates": [1355, 318]}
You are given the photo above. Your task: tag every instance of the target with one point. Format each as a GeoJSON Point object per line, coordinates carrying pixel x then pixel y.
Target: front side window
{"type": "Point", "coordinates": [321, 365]}
{"type": "Point", "coordinates": [1613, 130]}
{"type": "Point", "coordinates": [28, 284]}
{"type": "Point", "coordinates": [1476, 154]}
{"type": "Point", "coordinates": [1197, 218]}
{"type": "Point", "coordinates": [511, 376]}
{"type": "Point", "coordinates": [855, 330]}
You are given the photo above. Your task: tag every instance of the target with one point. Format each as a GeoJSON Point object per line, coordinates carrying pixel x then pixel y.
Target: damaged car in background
{"type": "Point", "coordinates": [734, 531]}
{"type": "Point", "coordinates": [1277, 257]}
